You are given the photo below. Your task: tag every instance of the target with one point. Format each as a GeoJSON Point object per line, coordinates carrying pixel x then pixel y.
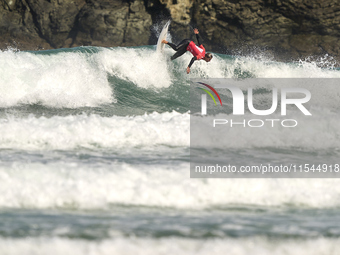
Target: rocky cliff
{"type": "Point", "coordinates": [285, 29]}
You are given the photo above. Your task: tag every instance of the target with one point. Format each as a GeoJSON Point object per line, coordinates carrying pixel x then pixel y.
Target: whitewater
{"type": "Point", "coordinates": [95, 150]}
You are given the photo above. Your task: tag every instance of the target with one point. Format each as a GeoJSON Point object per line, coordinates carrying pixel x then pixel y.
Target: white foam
{"type": "Point", "coordinates": [321, 131]}
{"type": "Point", "coordinates": [82, 185]}
{"type": "Point", "coordinates": [164, 246]}
{"type": "Point", "coordinates": [69, 79]}
{"type": "Point", "coordinates": [93, 131]}
{"type": "Point", "coordinates": [220, 67]}
{"type": "Point", "coordinates": [270, 69]}
{"type": "Point", "coordinates": [142, 66]}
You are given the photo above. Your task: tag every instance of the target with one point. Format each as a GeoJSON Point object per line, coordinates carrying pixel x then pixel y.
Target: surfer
{"type": "Point", "coordinates": [188, 45]}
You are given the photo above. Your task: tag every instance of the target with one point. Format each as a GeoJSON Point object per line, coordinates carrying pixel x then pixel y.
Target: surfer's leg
{"type": "Point", "coordinates": [179, 53]}
{"type": "Point", "coordinates": [182, 44]}
{"type": "Point", "coordinates": [173, 46]}
{"type": "Point", "coordinates": [181, 48]}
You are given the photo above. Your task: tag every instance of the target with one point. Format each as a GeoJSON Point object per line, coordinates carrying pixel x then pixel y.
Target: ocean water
{"type": "Point", "coordinates": [94, 159]}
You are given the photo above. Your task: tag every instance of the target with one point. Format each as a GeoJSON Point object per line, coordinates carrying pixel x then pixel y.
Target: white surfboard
{"type": "Point", "coordinates": [162, 36]}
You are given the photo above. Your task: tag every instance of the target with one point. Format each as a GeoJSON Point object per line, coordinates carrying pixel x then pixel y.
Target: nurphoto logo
{"type": "Point", "coordinates": [279, 98]}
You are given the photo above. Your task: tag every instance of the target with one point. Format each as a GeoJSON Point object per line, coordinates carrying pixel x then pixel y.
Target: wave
{"type": "Point", "coordinates": [171, 129]}
{"type": "Point", "coordinates": [140, 246]}
{"type": "Point", "coordinates": [93, 76]}
{"type": "Point", "coordinates": [94, 131]}
{"type": "Point", "coordinates": [63, 79]}
{"type": "Point", "coordinates": [76, 184]}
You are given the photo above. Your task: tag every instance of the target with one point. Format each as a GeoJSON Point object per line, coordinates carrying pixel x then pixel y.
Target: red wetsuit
{"type": "Point", "coordinates": [188, 45]}
{"type": "Point", "coordinates": [197, 51]}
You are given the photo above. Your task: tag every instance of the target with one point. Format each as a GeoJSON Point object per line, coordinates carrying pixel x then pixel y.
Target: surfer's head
{"type": "Point", "coordinates": [208, 57]}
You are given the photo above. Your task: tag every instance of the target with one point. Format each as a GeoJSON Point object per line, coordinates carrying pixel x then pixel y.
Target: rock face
{"type": "Point", "coordinates": [112, 23]}
{"type": "Point", "coordinates": [286, 29]}
{"type": "Point", "coordinates": [34, 24]}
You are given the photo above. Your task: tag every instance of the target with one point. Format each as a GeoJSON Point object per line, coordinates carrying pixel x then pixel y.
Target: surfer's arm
{"type": "Point", "coordinates": [192, 61]}
{"type": "Point", "coordinates": [198, 40]}
{"type": "Point", "coordinates": [197, 36]}
{"type": "Point", "coordinates": [190, 64]}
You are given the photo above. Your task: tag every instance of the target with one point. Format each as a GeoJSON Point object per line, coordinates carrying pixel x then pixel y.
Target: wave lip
{"type": "Point", "coordinates": [144, 67]}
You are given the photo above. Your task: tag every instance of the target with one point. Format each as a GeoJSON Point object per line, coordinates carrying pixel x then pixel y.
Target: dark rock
{"type": "Point", "coordinates": [102, 23]}
{"type": "Point", "coordinates": [286, 29]}
{"type": "Point", "coordinates": [54, 19]}
{"type": "Point", "coordinates": [138, 25]}
{"type": "Point", "coordinates": [113, 23]}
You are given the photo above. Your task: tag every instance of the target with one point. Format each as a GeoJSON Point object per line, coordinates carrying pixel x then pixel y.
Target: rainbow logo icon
{"type": "Point", "coordinates": [209, 93]}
